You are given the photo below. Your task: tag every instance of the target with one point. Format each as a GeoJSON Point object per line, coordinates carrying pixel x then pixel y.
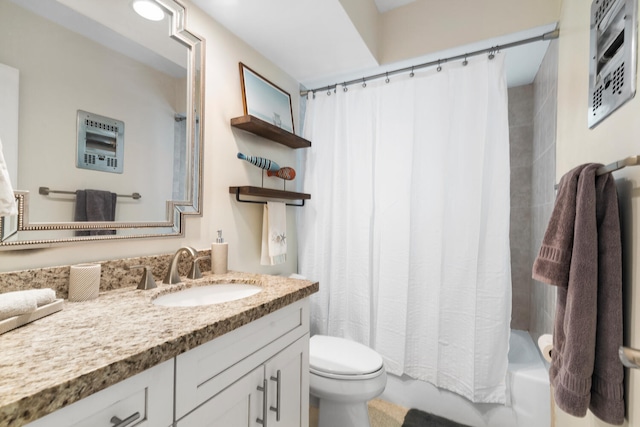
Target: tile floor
{"type": "Point", "coordinates": [381, 414]}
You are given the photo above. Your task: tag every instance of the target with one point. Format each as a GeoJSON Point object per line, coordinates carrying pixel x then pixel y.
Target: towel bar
{"type": "Point", "coordinates": [630, 357]}
{"type": "Point", "coordinates": [45, 192]}
{"type": "Point", "coordinates": [612, 167]}
{"type": "Point", "coordinates": [268, 193]}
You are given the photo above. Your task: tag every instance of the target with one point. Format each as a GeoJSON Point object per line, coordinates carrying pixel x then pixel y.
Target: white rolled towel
{"type": "Point", "coordinates": [22, 302]}
{"type": "Point", "coordinates": [43, 296]}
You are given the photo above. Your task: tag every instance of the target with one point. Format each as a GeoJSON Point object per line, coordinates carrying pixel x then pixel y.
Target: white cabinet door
{"type": "Point", "coordinates": [206, 370]}
{"type": "Point", "coordinates": [239, 405]}
{"type": "Point", "coordinates": [288, 375]}
{"type": "Point", "coordinates": [242, 403]}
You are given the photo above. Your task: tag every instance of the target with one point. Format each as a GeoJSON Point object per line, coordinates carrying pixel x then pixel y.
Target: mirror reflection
{"type": "Point", "coordinates": [103, 104]}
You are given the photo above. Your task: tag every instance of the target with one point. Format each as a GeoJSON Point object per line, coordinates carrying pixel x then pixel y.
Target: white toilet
{"type": "Point", "coordinates": [344, 375]}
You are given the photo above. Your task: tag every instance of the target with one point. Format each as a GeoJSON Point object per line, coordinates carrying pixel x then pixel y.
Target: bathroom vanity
{"type": "Point", "coordinates": [120, 360]}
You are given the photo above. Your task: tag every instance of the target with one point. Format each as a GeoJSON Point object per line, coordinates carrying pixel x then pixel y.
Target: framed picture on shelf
{"type": "Point", "coordinates": [264, 100]}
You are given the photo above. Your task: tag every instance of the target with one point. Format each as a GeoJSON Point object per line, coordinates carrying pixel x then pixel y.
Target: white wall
{"type": "Point", "coordinates": [241, 223]}
{"type": "Point", "coordinates": [615, 138]}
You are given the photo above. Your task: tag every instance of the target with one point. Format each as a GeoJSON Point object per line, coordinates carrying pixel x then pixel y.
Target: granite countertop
{"type": "Point", "coordinates": [91, 345]}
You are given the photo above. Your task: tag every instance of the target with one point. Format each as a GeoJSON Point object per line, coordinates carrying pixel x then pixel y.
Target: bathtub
{"type": "Point", "coordinates": [527, 393]}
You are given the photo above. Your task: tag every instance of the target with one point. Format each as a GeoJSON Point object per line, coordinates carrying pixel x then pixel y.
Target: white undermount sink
{"type": "Point", "coordinates": [207, 295]}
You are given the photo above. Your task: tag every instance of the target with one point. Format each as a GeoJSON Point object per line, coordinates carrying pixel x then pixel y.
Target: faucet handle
{"type": "Point", "coordinates": [147, 281]}
{"type": "Point", "coordinates": [195, 273]}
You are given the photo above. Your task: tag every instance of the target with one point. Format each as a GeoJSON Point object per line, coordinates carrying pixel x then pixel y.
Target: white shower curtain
{"type": "Point", "coordinates": [407, 230]}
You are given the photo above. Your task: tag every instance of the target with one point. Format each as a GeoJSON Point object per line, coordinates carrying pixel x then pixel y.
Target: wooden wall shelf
{"type": "Point", "coordinates": [267, 130]}
{"type": "Point", "coordinates": [268, 193]}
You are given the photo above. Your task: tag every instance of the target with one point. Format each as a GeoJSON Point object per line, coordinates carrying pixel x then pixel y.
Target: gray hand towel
{"type": "Point", "coordinates": [95, 205]}
{"type": "Point", "coordinates": [581, 254]}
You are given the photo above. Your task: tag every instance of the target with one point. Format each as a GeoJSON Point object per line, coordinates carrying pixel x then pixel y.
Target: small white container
{"type": "Point", "coordinates": [84, 282]}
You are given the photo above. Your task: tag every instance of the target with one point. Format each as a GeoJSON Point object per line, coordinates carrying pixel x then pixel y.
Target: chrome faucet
{"type": "Point", "coordinates": [172, 277]}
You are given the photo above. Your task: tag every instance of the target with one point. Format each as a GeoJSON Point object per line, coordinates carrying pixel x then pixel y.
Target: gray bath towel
{"type": "Point", "coordinates": [95, 205]}
{"type": "Point", "coordinates": [581, 255]}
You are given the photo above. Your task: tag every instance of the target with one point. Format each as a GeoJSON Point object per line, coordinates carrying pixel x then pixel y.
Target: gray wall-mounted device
{"type": "Point", "coordinates": [100, 143]}
{"type": "Point", "coordinates": [612, 62]}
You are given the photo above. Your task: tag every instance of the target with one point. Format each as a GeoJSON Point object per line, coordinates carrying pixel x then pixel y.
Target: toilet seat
{"type": "Point", "coordinates": [339, 358]}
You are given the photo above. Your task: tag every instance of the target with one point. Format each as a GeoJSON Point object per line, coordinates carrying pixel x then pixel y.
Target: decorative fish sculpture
{"type": "Point", "coordinates": [260, 162]}
{"type": "Point", "coordinates": [284, 173]}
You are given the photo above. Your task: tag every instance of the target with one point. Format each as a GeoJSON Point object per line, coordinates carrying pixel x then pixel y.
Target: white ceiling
{"type": "Point", "coordinates": [316, 42]}
{"type": "Point", "coordinates": [313, 38]}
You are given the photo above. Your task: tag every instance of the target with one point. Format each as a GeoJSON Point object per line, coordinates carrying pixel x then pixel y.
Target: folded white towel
{"type": "Point", "coordinates": [22, 302]}
{"type": "Point", "coordinates": [8, 204]}
{"type": "Point", "coordinates": [274, 233]}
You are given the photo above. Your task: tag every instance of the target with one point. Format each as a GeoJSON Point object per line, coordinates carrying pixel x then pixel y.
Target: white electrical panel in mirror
{"type": "Point", "coordinates": [103, 61]}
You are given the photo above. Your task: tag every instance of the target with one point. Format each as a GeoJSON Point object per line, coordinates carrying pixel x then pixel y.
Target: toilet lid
{"type": "Point", "coordinates": [341, 356]}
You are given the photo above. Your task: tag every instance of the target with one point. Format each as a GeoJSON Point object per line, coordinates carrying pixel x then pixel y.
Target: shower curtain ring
{"type": "Point", "coordinates": [439, 66]}
{"type": "Point", "coordinates": [364, 83]}
{"type": "Point", "coordinates": [387, 79]}
{"type": "Point", "coordinates": [411, 74]}
{"type": "Point", "coordinates": [344, 87]}
{"type": "Point", "coordinates": [328, 90]}
{"type": "Point", "coordinates": [465, 62]}
{"type": "Point", "coordinates": [492, 53]}
{"type": "Point", "coordinates": [314, 94]}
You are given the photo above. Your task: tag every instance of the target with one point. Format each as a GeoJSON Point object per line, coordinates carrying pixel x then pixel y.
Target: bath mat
{"type": "Point", "coordinates": [417, 418]}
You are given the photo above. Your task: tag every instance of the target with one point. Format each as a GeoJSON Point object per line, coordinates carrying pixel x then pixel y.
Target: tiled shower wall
{"type": "Point", "coordinates": [532, 136]}
{"type": "Point", "coordinates": [521, 150]}
{"type": "Point", "coordinates": [543, 296]}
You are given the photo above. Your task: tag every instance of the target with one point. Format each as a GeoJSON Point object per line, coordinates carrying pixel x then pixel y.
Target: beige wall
{"type": "Point", "coordinates": [424, 27]}
{"type": "Point", "coordinates": [615, 138]}
{"type": "Point", "coordinates": [365, 17]}
{"type": "Point", "coordinates": [241, 223]}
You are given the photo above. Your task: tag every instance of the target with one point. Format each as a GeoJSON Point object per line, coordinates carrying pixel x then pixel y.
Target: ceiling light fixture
{"type": "Point", "coordinates": [148, 10]}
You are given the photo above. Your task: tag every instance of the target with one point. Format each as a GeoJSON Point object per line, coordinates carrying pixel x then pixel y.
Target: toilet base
{"type": "Point", "coordinates": [332, 414]}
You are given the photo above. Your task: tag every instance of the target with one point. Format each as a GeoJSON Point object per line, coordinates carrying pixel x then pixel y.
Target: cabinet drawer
{"type": "Point", "coordinates": [144, 399]}
{"type": "Point", "coordinates": [206, 370]}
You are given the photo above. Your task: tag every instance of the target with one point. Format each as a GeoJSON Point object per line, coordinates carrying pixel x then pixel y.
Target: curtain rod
{"type": "Point", "coordinates": [544, 37]}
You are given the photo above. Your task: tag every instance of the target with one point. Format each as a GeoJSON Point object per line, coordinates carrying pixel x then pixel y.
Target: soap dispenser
{"type": "Point", "coordinates": [219, 253]}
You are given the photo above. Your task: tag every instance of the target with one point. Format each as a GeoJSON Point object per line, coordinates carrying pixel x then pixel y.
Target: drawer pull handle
{"type": "Point", "coordinates": [117, 422]}
{"type": "Point", "coordinates": [277, 408]}
{"type": "Point", "coordinates": [265, 403]}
